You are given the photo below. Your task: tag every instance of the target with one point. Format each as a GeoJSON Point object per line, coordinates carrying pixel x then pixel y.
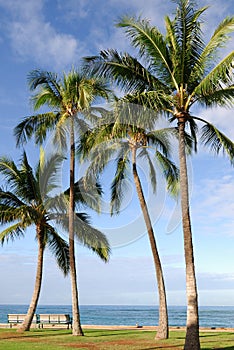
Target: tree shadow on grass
{"type": "Point", "coordinates": [209, 335]}
{"type": "Point", "coordinates": [96, 333]}
{"type": "Point", "coordinates": [33, 334]}
{"type": "Point", "coordinates": [223, 348]}
{"type": "Point", "coordinates": [166, 347]}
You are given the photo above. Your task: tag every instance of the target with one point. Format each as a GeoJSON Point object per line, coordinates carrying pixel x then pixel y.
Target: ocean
{"type": "Point", "coordinates": [210, 316]}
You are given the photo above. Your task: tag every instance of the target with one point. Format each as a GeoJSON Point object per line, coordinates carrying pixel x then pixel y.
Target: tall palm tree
{"type": "Point", "coordinates": [22, 206]}
{"type": "Point", "coordinates": [128, 135]}
{"type": "Point", "coordinates": [30, 201]}
{"type": "Point", "coordinates": [175, 72]}
{"type": "Point", "coordinates": [67, 98]}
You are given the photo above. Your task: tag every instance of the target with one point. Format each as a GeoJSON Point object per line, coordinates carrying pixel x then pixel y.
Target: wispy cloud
{"type": "Point", "coordinates": [220, 117]}
{"type": "Point", "coordinates": [74, 9]}
{"type": "Point", "coordinates": [41, 41]}
{"type": "Point", "coordinates": [215, 196]}
{"type": "Point", "coordinates": [32, 37]}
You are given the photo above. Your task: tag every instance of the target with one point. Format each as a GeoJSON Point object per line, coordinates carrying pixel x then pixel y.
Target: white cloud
{"type": "Point", "coordinates": [74, 9]}
{"type": "Point", "coordinates": [19, 277]}
{"type": "Point", "coordinates": [34, 38]}
{"type": "Point", "coordinates": [151, 10]}
{"type": "Point", "coordinates": [40, 41]}
{"type": "Point", "coordinates": [134, 280]}
{"type": "Point", "coordinates": [215, 281]}
{"type": "Point", "coordinates": [214, 207]}
{"type": "Point", "coordinates": [221, 118]}
{"type": "Point", "coordinates": [24, 8]}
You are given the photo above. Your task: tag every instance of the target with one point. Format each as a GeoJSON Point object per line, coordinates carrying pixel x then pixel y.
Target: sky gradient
{"type": "Point", "coordinates": [54, 35]}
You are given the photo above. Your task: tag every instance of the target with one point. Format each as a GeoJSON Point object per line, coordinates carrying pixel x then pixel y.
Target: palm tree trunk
{"type": "Point", "coordinates": [192, 341]}
{"type": "Point", "coordinates": [162, 331]}
{"type": "Point", "coordinates": [76, 325]}
{"type": "Point", "coordinates": [25, 326]}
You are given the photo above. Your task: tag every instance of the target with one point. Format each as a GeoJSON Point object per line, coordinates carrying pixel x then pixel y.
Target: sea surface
{"type": "Point", "coordinates": [210, 316]}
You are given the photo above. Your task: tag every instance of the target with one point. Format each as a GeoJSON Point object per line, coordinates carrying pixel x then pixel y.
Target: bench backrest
{"type": "Point", "coordinates": [19, 318]}
{"type": "Point", "coordinates": [56, 318]}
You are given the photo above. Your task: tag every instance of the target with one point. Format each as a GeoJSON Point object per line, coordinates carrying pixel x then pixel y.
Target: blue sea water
{"type": "Point", "coordinates": [210, 316]}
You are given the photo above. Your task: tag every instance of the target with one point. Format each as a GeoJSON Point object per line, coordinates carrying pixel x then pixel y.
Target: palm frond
{"type": "Point", "coordinates": [45, 96]}
{"type": "Point", "coordinates": [48, 174]}
{"type": "Point", "coordinates": [99, 158]}
{"type": "Point", "coordinates": [118, 185]}
{"type": "Point", "coordinates": [193, 130]}
{"type": "Point", "coordinates": [9, 170]}
{"type": "Point", "coordinates": [37, 125]}
{"type": "Point", "coordinates": [152, 173]}
{"type": "Point", "coordinates": [173, 43]}
{"type": "Point", "coordinates": [170, 172]}
{"type": "Point", "coordinates": [151, 45]}
{"type": "Point", "coordinates": [124, 70]}
{"type": "Point", "coordinates": [87, 235]}
{"type": "Point", "coordinates": [59, 248]}
{"type": "Point", "coordinates": [48, 81]}
{"type": "Point", "coordinates": [21, 180]}
{"type": "Point", "coordinates": [10, 199]}
{"type": "Point", "coordinates": [87, 194]}
{"type": "Point", "coordinates": [217, 41]}
{"type": "Point", "coordinates": [28, 189]}
{"type": "Point", "coordinates": [187, 28]}
{"type": "Point", "coordinates": [92, 238]}
{"type": "Point", "coordinates": [160, 139]}
{"type": "Point", "coordinates": [12, 232]}
{"type": "Point", "coordinates": [132, 112]}
{"type": "Point", "coordinates": [217, 141]}
{"type": "Point", "coordinates": [218, 98]}
{"type": "Point", "coordinates": [217, 82]}
{"type": "Point", "coordinates": [158, 101]}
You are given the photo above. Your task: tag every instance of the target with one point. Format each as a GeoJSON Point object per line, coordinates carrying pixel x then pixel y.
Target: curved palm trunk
{"type": "Point", "coordinates": [162, 332]}
{"type": "Point", "coordinates": [25, 326]}
{"type": "Point", "coordinates": [192, 341]}
{"type": "Point", "coordinates": [76, 325]}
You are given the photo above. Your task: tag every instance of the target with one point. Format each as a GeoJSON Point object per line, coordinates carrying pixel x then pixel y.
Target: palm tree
{"type": "Point", "coordinates": [22, 206]}
{"type": "Point", "coordinates": [67, 98]}
{"type": "Point", "coordinates": [128, 134]}
{"type": "Point", "coordinates": [177, 71]}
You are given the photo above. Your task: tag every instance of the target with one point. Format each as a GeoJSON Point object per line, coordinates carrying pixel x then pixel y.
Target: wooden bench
{"type": "Point", "coordinates": [19, 318]}
{"type": "Point", "coordinates": [41, 319]}
{"type": "Point", "coordinates": [54, 319]}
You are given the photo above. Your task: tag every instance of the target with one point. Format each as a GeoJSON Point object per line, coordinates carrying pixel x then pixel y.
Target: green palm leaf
{"type": "Point", "coordinates": [49, 83]}
{"type": "Point", "coordinates": [170, 172]}
{"type": "Point", "coordinates": [12, 232]}
{"type": "Point", "coordinates": [151, 45]}
{"type": "Point", "coordinates": [59, 249]}
{"type": "Point", "coordinates": [152, 173]}
{"type": "Point", "coordinates": [87, 194]}
{"type": "Point", "coordinates": [217, 141]}
{"type": "Point", "coordinates": [92, 238]}
{"type": "Point", "coordinates": [217, 41]}
{"type": "Point", "coordinates": [217, 87]}
{"type": "Point", "coordinates": [125, 70]}
{"type": "Point", "coordinates": [118, 186]}
{"type": "Point", "coordinates": [189, 40]}
{"type": "Point", "coordinates": [37, 125]}
{"type": "Point", "coordinates": [86, 234]}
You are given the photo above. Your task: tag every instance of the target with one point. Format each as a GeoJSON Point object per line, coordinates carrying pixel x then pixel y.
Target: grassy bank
{"type": "Point", "coordinates": [38, 339]}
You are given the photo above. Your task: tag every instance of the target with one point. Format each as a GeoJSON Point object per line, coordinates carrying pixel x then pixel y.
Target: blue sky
{"type": "Point", "coordinates": [54, 35]}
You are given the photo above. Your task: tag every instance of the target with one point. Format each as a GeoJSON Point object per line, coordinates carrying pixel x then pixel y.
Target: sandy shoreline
{"type": "Point", "coordinates": [125, 327]}
{"type": "Point", "coordinates": [154, 328]}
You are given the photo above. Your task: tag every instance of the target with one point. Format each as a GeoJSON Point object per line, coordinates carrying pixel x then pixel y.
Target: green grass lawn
{"type": "Point", "coordinates": [44, 339]}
